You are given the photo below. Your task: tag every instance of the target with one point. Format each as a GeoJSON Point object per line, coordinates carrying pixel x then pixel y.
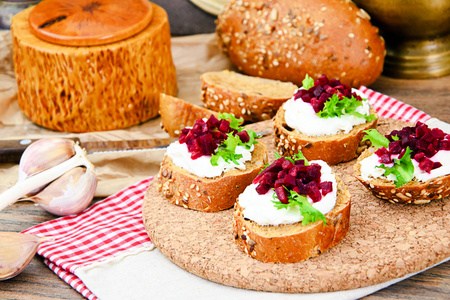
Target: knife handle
{"type": "Point", "coordinates": [11, 150]}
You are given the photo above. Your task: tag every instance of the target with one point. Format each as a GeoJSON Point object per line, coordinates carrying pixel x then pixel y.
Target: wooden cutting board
{"type": "Point", "coordinates": [385, 241]}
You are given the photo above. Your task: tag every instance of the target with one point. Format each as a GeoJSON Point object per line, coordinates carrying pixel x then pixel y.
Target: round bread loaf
{"type": "Point", "coordinates": [287, 39]}
{"type": "Point", "coordinates": [414, 192]}
{"type": "Point", "coordinates": [332, 149]}
{"type": "Point", "coordinates": [208, 194]}
{"type": "Point", "coordinates": [93, 88]}
{"type": "Point", "coordinates": [290, 243]}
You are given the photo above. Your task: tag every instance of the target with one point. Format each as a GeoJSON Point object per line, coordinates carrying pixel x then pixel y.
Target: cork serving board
{"type": "Point", "coordinates": [385, 241]}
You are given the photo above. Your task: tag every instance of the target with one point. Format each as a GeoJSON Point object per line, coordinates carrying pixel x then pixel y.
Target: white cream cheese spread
{"type": "Point", "coordinates": [300, 115]}
{"type": "Point", "coordinates": [370, 171]}
{"type": "Point", "coordinates": [201, 166]}
{"type": "Point", "coordinates": [261, 209]}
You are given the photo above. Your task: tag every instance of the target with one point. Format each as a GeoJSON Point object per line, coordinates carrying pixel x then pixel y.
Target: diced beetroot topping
{"type": "Point", "coordinates": [423, 142]}
{"type": "Point", "coordinates": [205, 137]}
{"type": "Point", "coordinates": [426, 165]}
{"type": "Point", "coordinates": [322, 90]}
{"type": "Point", "coordinates": [282, 174]}
{"type": "Point", "coordinates": [282, 194]}
{"type": "Point", "coordinates": [243, 136]}
{"type": "Point", "coordinates": [327, 187]}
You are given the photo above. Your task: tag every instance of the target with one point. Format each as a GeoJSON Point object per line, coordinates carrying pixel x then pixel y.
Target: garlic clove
{"type": "Point", "coordinates": [69, 194]}
{"type": "Point", "coordinates": [43, 155]}
{"type": "Point", "coordinates": [16, 252]}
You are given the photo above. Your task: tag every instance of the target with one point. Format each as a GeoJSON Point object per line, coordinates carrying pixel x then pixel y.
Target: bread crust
{"type": "Point", "coordinates": [250, 98]}
{"type": "Point", "coordinates": [414, 192]}
{"type": "Point", "coordinates": [287, 39]}
{"type": "Point", "coordinates": [177, 114]}
{"type": "Point", "coordinates": [294, 242]}
{"type": "Point", "coordinates": [332, 149]}
{"type": "Point", "coordinates": [208, 194]}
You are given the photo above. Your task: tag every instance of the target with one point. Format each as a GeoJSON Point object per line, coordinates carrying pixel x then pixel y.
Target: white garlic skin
{"type": "Point", "coordinates": [69, 194]}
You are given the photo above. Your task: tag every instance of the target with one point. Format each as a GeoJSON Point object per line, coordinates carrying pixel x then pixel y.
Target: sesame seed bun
{"type": "Point", "coordinates": [287, 39]}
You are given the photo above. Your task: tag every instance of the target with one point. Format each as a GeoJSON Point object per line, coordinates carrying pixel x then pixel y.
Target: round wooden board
{"type": "Point", "coordinates": [385, 241]}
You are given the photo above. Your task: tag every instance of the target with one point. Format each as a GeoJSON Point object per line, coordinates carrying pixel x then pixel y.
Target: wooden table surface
{"type": "Point", "coordinates": [37, 281]}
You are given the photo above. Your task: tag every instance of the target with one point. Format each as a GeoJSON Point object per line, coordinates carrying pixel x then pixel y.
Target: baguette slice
{"type": "Point", "coordinates": [415, 192]}
{"type": "Point", "coordinates": [332, 149]}
{"type": "Point", "coordinates": [251, 98]}
{"type": "Point", "coordinates": [294, 242]}
{"type": "Point", "coordinates": [208, 194]}
{"type": "Point", "coordinates": [177, 114]}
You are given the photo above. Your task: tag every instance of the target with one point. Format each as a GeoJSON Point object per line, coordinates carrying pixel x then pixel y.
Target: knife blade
{"type": "Point", "coordinates": [12, 150]}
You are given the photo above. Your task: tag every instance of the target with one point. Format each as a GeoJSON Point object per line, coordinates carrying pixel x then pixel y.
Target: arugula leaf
{"type": "Point", "coordinates": [403, 169]}
{"type": "Point", "coordinates": [377, 139]}
{"type": "Point", "coordinates": [234, 123]}
{"type": "Point", "coordinates": [308, 82]}
{"type": "Point", "coordinates": [309, 213]}
{"type": "Point", "coordinates": [336, 107]}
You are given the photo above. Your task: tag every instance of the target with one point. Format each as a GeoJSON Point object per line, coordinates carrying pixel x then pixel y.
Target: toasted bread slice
{"type": "Point", "coordinates": [294, 242]}
{"type": "Point", "coordinates": [177, 114]}
{"type": "Point", "coordinates": [332, 149]}
{"type": "Point", "coordinates": [415, 192]}
{"type": "Point", "coordinates": [250, 98]}
{"type": "Point", "coordinates": [208, 194]}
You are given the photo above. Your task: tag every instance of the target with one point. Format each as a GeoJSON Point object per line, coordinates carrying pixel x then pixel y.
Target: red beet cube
{"type": "Point", "coordinates": [262, 189]}
{"type": "Point", "coordinates": [314, 194]}
{"type": "Point", "coordinates": [426, 165]}
{"type": "Point", "coordinates": [282, 194]}
{"type": "Point", "coordinates": [326, 187]}
{"type": "Point", "coordinates": [243, 136]}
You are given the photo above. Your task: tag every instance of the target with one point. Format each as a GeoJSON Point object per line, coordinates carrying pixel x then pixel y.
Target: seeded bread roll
{"type": "Point", "coordinates": [293, 242]}
{"type": "Point", "coordinates": [287, 39]}
{"type": "Point", "coordinates": [177, 114]}
{"type": "Point", "coordinates": [415, 192]}
{"type": "Point", "coordinates": [332, 149]}
{"type": "Point", "coordinates": [208, 194]}
{"type": "Point", "coordinates": [250, 98]}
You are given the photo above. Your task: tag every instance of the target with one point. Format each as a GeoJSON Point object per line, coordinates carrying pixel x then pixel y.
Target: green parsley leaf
{"type": "Point", "coordinates": [308, 82]}
{"type": "Point", "coordinates": [377, 139]}
{"type": "Point", "coordinates": [403, 169]}
{"type": "Point", "coordinates": [309, 213]}
{"type": "Point", "coordinates": [336, 107]}
{"type": "Point", "coordinates": [227, 150]}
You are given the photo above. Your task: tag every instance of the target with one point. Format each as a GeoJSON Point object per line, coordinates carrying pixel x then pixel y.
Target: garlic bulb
{"type": "Point", "coordinates": [16, 252]}
{"type": "Point", "coordinates": [38, 176]}
{"type": "Point", "coordinates": [69, 194]}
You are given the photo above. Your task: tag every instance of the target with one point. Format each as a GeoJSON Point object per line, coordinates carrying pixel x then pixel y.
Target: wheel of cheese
{"type": "Point", "coordinates": [93, 88]}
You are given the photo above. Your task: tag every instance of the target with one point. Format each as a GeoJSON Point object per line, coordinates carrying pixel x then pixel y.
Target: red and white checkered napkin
{"type": "Point", "coordinates": [115, 225]}
{"type": "Point", "coordinates": [392, 108]}
{"type": "Point", "coordinates": [104, 230]}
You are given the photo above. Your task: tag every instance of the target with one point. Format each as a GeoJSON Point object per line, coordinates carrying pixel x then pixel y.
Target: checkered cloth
{"type": "Point", "coordinates": [115, 224]}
